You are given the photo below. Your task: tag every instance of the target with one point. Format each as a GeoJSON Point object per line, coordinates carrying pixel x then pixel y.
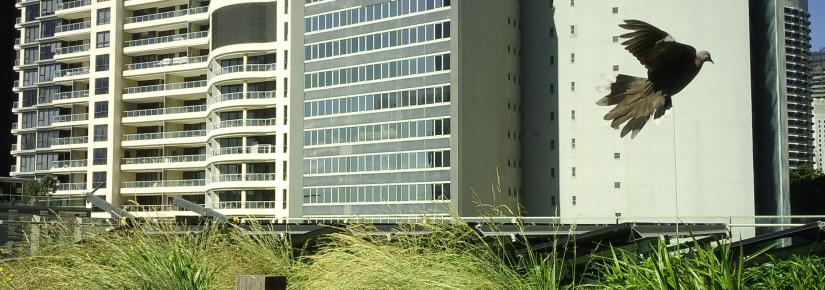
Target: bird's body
{"type": "Point", "coordinates": [671, 66]}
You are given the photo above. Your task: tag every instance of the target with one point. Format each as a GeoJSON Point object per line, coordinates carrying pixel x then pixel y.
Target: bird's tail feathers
{"type": "Point", "coordinates": [621, 88]}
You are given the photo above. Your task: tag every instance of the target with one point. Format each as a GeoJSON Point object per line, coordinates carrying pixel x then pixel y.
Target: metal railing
{"type": "Point", "coordinates": [245, 177]}
{"type": "Point", "coordinates": [164, 183]}
{"type": "Point", "coordinates": [70, 95]}
{"type": "Point", "coordinates": [227, 177]}
{"type": "Point", "coordinates": [241, 96]}
{"type": "Point", "coordinates": [73, 4]}
{"type": "Point", "coordinates": [73, 27]}
{"type": "Point", "coordinates": [261, 176]}
{"type": "Point", "coordinates": [164, 87]}
{"type": "Point", "coordinates": [165, 111]}
{"type": "Point", "coordinates": [72, 72]}
{"type": "Point", "coordinates": [14, 126]}
{"type": "Point", "coordinates": [166, 62]}
{"type": "Point", "coordinates": [242, 205]}
{"type": "Point", "coordinates": [165, 135]}
{"type": "Point", "coordinates": [151, 208]}
{"type": "Point", "coordinates": [243, 123]}
{"type": "Point", "coordinates": [69, 163]}
{"type": "Point", "coordinates": [13, 168]}
{"type": "Point", "coordinates": [72, 49]}
{"type": "Point", "coordinates": [245, 68]}
{"type": "Point", "coordinates": [70, 140]}
{"type": "Point", "coordinates": [165, 39]}
{"type": "Point", "coordinates": [17, 84]}
{"type": "Point", "coordinates": [70, 118]}
{"type": "Point", "coordinates": [255, 149]}
{"type": "Point", "coordinates": [165, 15]}
{"type": "Point", "coordinates": [13, 147]}
{"type": "Point", "coordinates": [15, 105]}
{"type": "Point", "coordinates": [165, 159]}
{"type": "Point", "coordinates": [71, 186]}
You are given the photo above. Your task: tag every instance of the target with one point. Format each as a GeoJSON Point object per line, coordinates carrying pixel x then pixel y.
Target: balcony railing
{"type": "Point", "coordinates": [73, 4]}
{"type": "Point", "coordinates": [167, 62]}
{"type": "Point", "coordinates": [70, 95]}
{"type": "Point", "coordinates": [13, 168]}
{"type": "Point", "coordinates": [245, 177]}
{"type": "Point", "coordinates": [69, 164]}
{"type": "Point", "coordinates": [165, 135]}
{"type": "Point", "coordinates": [164, 183]}
{"type": "Point", "coordinates": [165, 111]}
{"type": "Point", "coordinates": [245, 68]}
{"type": "Point", "coordinates": [165, 39]}
{"type": "Point", "coordinates": [70, 140]}
{"type": "Point", "coordinates": [72, 49]}
{"type": "Point", "coordinates": [241, 96]}
{"type": "Point", "coordinates": [255, 149]}
{"type": "Point", "coordinates": [71, 186]}
{"type": "Point", "coordinates": [165, 159]}
{"type": "Point", "coordinates": [14, 126]}
{"type": "Point", "coordinates": [72, 72]}
{"type": "Point", "coordinates": [14, 146]}
{"type": "Point", "coordinates": [73, 27]}
{"type": "Point", "coordinates": [164, 87]}
{"type": "Point", "coordinates": [165, 15]}
{"type": "Point", "coordinates": [15, 105]}
{"type": "Point", "coordinates": [242, 204]}
{"type": "Point", "coordinates": [70, 118]}
{"type": "Point", "coordinates": [151, 208]}
{"type": "Point", "coordinates": [17, 84]}
{"type": "Point", "coordinates": [243, 123]}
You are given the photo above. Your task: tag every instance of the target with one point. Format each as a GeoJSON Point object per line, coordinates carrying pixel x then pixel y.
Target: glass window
{"type": "Point", "coordinates": [99, 179]}
{"type": "Point", "coordinates": [101, 133]}
{"type": "Point", "coordinates": [104, 16]}
{"type": "Point", "coordinates": [102, 39]}
{"type": "Point", "coordinates": [101, 86]}
{"type": "Point", "coordinates": [102, 109]}
{"type": "Point", "coordinates": [99, 156]}
{"type": "Point", "coordinates": [102, 62]}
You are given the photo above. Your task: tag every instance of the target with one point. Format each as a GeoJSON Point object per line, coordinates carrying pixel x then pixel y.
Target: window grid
{"type": "Point", "coordinates": [370, 13]}
{"type": "Point", "coordinates": [378, 101]}
{"type": "Point", "coordinates": [376, 132]}
{"type": "Point", "coordinates": [381, 40]}
{"type": "Point", "coordinates": [378, 193]}
{"type": "Point", "coordinates": [379, 162]}
{"type": "Point", "coordinates": [378, 71]}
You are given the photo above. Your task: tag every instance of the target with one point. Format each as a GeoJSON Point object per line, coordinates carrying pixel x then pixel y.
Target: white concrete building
{"type": "Point", "coordinates": [157, 99]}
{"type": "Point", "coordinates": [819, 131]}
{"type": "Point", "coordinates": [698, 159]}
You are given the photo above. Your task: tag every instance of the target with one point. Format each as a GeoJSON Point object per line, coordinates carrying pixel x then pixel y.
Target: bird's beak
{"type": "Point", "coordinates": [711, 60]}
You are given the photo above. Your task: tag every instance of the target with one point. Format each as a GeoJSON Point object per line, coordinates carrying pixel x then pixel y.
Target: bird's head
{"type": "Point", "coordinates": [704, 56]}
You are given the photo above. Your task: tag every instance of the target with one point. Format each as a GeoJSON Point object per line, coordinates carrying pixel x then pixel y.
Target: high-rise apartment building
{"type": "Point", "coordinates": [797, 36]}
{"type": "Point", "coordinates": [156, 99]}
{"type": "Point", "coordinates": [409, 107]}
{"type": "Point", "coordinates": [818, 93]}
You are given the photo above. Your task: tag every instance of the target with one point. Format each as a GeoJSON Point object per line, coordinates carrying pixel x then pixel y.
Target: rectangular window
{"type": "Point", "coordinates": [101, 133]}
{"type": "Point", "coordinates": [573, 171]}
{"type": "Point", "coordinates": [617, 155]}
{"type": "Point", "coordinates": [573, 143]}
{"type": "Point", "coordinates": [615, 10]}
{"type": "Point", "coordinates": [99, 156]}
{"type": "Point", "coordinates": [617, 185]}
{"type": "Point", "coordinates": [615, 67]}
{"type": "Point", "coordinates": [104, 16]}
{"type": "Point", "coordinates": [99, 178]}
{"type": "Point", "coordinates": [574, 200]}
{"type": "Point", "coordinates": [102, 109]}
{"type": "Point", "coordinates": [102, 62]}
{"type": "Point", "coordinates": [101, 86]}
{"type": "Point", "coordinates": [102, 39]}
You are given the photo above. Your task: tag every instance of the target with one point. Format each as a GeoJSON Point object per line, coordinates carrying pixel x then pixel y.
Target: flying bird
{"type": "Point", "coordinates": [671, 66]}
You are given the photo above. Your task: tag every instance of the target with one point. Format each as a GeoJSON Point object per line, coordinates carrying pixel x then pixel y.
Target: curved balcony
{"type": "Point", "coordinates": [245, 72]}
{"type": "Point", "coordinates": [164, 138]}
{"type": "Point", "coordinates": [263, 152]}
{"type": "Point", "coordinates": [72, 52]}
{"type": "Point", "coordinates": [199, 38]}
{"type": "Point", "coordinates": [68, 165]}
{"type": "Point", "coordinates": [69, 120]}
{"type": "Point", "coordinates": [170, 18]}
{"type": "Point", "coordinates": [248, 99]}
{"type": "Point", "coordinates": [71, 74]}
{"type": "Point", "coordinates": [162, 114]}
{"type": "Point", "coordinates": [242, 126]}
{"type": "Point", "coordinates": [163, 186]}
{"type": "Point", "coordinates": [178, 89]}
{"type": "Point", "coordinates": [64, 187]}
{"type": "Point", "coordinates": [243, 205]}
{"type": "Point", "coordinates": [165, 162]}
{"type": "Point", "coordinates": [70, 97]}
{"type": "Point", "coordinates": [246, 180]}
{"type": "Point", "coordinates": [166, 65]}
{"type": "Point", "coordinates": [73, 31]}
{"type": "Point", "coordinates": [69, 141]}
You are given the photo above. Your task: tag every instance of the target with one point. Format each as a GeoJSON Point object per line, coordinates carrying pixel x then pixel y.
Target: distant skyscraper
{"type": "Point", "coordinates": [818, 93]}
{"type": "Point", "coordinates": [797, 39]}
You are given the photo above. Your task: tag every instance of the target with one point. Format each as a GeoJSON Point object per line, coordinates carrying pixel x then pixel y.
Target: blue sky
{"type": "Point", "coordinates": [817, 9]}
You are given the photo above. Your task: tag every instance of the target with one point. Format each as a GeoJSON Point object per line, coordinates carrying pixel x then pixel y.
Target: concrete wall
{"type": "Point", "coordinates": [697, 160]}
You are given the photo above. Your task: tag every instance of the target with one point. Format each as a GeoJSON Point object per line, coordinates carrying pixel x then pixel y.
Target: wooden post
{"type": "Point", "coordinates": [34, 234]}
{"type": "Point", "coordinates": [260, 282]}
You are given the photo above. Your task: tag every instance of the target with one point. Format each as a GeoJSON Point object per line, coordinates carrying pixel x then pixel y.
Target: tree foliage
{"type": "Point", "coordinates": [44, 186]}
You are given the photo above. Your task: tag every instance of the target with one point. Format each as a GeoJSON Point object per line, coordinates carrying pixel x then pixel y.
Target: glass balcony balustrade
{"type": "Point", "coordinates": [164, 135]}
{"type": "Point", "coordinates": [166, 39]}
{"type": "Point", "coordinates": [165, 111]}
{"type": "Point", "coordinates": [164, 87]}
{"type": "Point", "coordinates": [166, 15]}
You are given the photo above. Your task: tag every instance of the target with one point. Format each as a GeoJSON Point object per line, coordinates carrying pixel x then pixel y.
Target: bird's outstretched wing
{"type": "Point", "coordinates": [654, 48]}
